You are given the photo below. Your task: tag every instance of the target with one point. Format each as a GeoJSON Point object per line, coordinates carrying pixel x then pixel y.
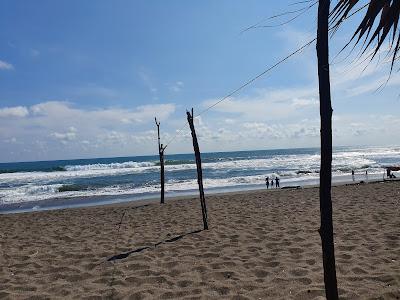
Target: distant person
{"type": "Point", "coordinates": [366, 175]}
{"type": "Point", "coordinates": [272, 183]}
{"type": "Point", "coordinates": [267, 182]}
{"type": "Point", "coordinates": [352, 175]}
{"type": "Point", "coordinates": [276, 182]}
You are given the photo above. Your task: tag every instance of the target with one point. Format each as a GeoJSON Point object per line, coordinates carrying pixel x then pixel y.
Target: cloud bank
{"type": "Point", "coordinates": [6, 66]}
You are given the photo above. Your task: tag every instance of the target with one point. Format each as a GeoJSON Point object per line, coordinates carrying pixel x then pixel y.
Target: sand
{"type": "Point", "coordinates": [261, 245]}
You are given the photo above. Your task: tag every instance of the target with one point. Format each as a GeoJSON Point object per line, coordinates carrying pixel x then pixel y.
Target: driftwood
{"type": "Point", "coordinates": [161, 154]}
{"type": "Point", "coordinates": [199, 170]}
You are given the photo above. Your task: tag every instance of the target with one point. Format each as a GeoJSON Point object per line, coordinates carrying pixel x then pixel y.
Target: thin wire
{"type": "Point", "coordinates": [287, 21]}
{"type": "Point", "coordinates": [257, 25]}
{"type": "Point", "coordinates": [300, 12]}
{"type": "Point", "coordinates": [248, 83]}
{"type": "Point", "coordinates": [258, 76]}
{"type": "Point", "coordinates": [176, 134]}
{"type": "Point", "coordinates": [300, 2]}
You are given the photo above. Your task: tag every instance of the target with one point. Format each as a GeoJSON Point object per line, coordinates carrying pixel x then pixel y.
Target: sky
{"type": "Point", "coordinates": [83, 79]}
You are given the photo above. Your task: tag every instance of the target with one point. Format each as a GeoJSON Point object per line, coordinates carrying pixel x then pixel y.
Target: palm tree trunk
{"type": "Point", "coordinates": [326, 229]}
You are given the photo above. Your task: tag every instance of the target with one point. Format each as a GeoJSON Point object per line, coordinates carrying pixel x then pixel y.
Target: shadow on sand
{"type": "Point", "coordinates": [171, 240]}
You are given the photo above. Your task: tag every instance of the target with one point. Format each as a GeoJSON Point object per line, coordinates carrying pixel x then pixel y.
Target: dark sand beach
{"type": "Point", "coordinates": [261, 245]}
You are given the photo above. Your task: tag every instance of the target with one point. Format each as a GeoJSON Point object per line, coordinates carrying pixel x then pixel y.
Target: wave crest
{"type": "Point", "coordinates": [124, 165]}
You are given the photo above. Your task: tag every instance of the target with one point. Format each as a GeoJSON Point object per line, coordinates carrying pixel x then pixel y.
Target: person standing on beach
{"type": "Point", "coordinates": [276, 182]}
{"type": "Point", "coordinates": [272, 183]}
{"type": "Point", "coordinates": [267, 182]}
{"type": "Point", "coordinates": [366, 175]}
{"type": "Point", "coordinates": [352, 174]}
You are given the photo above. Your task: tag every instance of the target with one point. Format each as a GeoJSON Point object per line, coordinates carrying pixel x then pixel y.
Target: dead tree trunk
{"type": "Point", "coordinates": [326, 229]}
{"type": "Point", "coordinates": [199, 170]}
{"type": "Point", "coordinates": [161, 154]}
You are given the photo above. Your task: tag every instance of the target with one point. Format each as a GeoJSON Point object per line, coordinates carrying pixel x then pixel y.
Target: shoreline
{"type": "Point", "coordinates": [89, 201]}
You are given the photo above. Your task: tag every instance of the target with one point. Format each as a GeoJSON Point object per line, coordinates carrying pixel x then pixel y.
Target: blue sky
{"type": "Point", "coordinates": [85, 79]}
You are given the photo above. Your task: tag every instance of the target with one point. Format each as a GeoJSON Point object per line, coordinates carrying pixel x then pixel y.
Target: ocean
{"type": "Point", "coordinates": [30, 186]}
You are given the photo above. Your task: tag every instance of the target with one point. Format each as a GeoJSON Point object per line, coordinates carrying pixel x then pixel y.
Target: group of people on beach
{"type": "Point", "coordinates": [267, 182]}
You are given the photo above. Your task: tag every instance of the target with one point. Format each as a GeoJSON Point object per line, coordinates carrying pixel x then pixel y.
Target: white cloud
{"type": "Point", "coordinates": [304, 128]}
{"type": "Point", "coordinates": [16, 111]}
{"type": "Point", "coordinates": [109, 116]}
{"type": "Point", "coordinates": [177, 86]}
{"type": "Point", "coordinates": [64, 137]}
{"type": "Point", "coordinates": [373, 85]}
{"type": "Point", "coordinates": [6, 66]}
{"type": "Point", "coordinates": [229, 121]}
{"type": "Point", "coordinates": [58, 129]}
{"type": "Point", "coordinates": [301, 103]}
{"type": "Point", "coordinates": [270, 104]}
{"type": "Point", "coordinates": [358, 75]}
{"type": "Point", "coordinates": [11, 140]}
{"type": "Point", "coordinates": [161, 111]}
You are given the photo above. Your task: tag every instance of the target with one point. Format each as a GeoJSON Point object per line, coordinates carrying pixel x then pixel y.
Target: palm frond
{"type": "Point", "coordinates": [381, 18]}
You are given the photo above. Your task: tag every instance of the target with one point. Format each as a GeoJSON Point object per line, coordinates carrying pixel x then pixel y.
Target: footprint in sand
{"type": "Point", "coordinates": [138, 267]}
{"type": "Point", "coordinates": [224, 275]}
{"type": "Point", "coordinates": [184, 283]}
{"type": "Point", "coordinates": [345, 256]}
{"type": "Point", "coordinates": [359, 271]}
{"type": "Point", "coordinates": [137, 296]}
{"type": "Point", "coordinates": [273, 264]}
{"type": "Point", "coordinates": [346, 248]}
{"type": "Point", "coordinates": [299, 272]}
{"type": "Point", "coordinates": [310, 262]}
{"type": "Point", "coordinates": [260, 273]}
{"type": "Point", "coordinates": [295, 250]}
{"type": "Point", "coordinates": [310, 294]}
{"type": "Point", "coordinates": [304, 280]}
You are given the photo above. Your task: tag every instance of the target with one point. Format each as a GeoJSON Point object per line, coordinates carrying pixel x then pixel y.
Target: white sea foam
{"type": "Point", "coordinates": [44, 192]}
{"type": "Point", "coordinates": [78, 173]}
{"type": "Point", "coordinates": [36, 193]}
{"type": "Point", "coordinates": [124, 165]}
{"type": "Point", "coordinates": [341, 160]}
{"type": "Point", "coordinates": [35, 186]}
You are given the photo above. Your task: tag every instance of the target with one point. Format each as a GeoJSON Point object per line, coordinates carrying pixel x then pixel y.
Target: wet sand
{"type": "Point", "coordinates": [261, 245]}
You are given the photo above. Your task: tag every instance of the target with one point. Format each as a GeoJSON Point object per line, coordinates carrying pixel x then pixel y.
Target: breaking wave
{"type": "Point", "coordinates": [113, 166]}
{"type": "Point", "coordinates": [221, 170]}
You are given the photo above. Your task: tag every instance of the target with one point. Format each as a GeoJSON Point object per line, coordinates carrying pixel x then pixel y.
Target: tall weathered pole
{"type": "Point", "coordinates": [326, 229]}
{"type": "Point", "coordinates": [161, 154]}
{"type": "Point", "coordinates": [199, 170]}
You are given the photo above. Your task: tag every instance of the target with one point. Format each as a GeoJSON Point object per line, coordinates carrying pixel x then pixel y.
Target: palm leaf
{"type": "Point", "coordinates": [381, 18]}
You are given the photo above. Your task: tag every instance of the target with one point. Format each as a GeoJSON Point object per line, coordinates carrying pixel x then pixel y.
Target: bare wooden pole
{"type": "Point", "coordinates": [161, 154]}
{"type": "Point", "coordinates": [325, 175]}
{"type": "Point", "coordinates": [199, 170]}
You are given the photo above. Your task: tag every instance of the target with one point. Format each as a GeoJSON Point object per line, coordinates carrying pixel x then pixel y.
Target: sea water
{"type": "Point", "coordinates": [26, 186]}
